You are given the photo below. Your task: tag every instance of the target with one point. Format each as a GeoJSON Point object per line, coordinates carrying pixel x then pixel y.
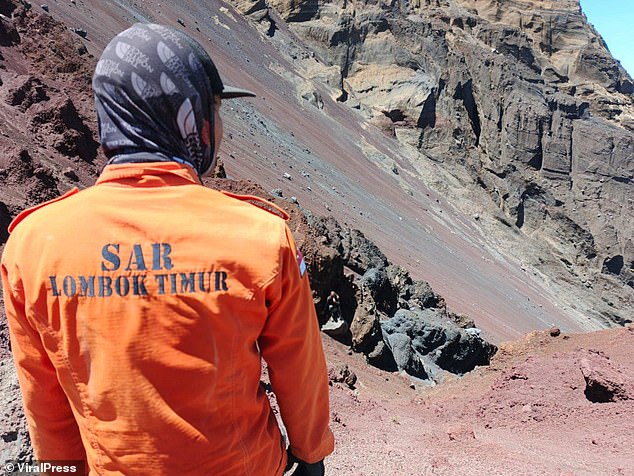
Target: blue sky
{"type": "Point", "coordinates": [614, 20]}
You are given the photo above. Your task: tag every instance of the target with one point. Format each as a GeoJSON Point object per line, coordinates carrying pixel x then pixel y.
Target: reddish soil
{"type": "Point", "coordinates": [526, 414]}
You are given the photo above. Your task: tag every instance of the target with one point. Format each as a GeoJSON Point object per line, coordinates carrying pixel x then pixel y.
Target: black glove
{"type": "Point", "coordinates": [303, 468]}
{"type": "Point", "coordinates": [309, 469]}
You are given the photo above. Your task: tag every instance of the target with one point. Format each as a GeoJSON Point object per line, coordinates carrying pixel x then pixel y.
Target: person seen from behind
{"type": "Point", "coordinates": [140, 308]}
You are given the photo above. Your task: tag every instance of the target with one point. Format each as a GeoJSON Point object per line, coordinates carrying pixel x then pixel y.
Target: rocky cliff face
{"type": "Point", "coordinates": [484, 148]}
{"type": "Point", "coordinates": [519, 100]}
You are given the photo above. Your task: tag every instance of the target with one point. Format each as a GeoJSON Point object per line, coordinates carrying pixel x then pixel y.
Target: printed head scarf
{"type": "Point", "coordinates": [154, 92]}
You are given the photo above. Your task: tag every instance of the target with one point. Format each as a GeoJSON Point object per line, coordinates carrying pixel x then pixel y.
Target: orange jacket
{"type": "Point", "coordinates": [139, 310]}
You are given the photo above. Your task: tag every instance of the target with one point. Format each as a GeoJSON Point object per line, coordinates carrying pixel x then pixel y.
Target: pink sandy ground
{"type": "Point", "coordinates": [526, 414]}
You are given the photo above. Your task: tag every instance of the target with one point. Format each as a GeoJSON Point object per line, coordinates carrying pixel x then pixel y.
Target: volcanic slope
{"type": "Point", "coordinates": [426, 214]}
{"type": "Point", "coordinates": [340, 165]}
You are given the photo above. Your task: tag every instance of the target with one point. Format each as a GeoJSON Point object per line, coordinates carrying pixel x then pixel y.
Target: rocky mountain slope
{"type": "Point", "coordinates": [401, 123]}
{"type": "Point", "coordinates": [520, 101]}
{"type": "Point", "coordinates": [485, 149]}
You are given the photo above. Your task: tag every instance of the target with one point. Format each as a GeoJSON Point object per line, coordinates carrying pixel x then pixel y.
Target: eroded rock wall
{"type": "Point", "coordinates": [520, 98]}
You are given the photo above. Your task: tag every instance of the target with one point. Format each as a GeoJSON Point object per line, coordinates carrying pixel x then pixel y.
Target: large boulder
{"type": "Point", "coordinates": [605, 382]}
{"type": "Point", "coordinates": [412, 292]}
{"type": "Point", "coordinates": [365, 326]}
{"type": "Point", "coordinates": [358, 253]}
{"type": "Point", "coordinates": [427, 338]}
{"type": "Point", "coordinates": [405, 356]}
{"type": "Point", "coordinates": [378, 284]}
{"type": "Point", "coordinates": [366, 334]}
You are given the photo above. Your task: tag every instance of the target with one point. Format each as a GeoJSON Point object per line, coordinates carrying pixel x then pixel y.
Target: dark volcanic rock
{"type": "Point", "coordinates": [411, 292]}
{"type": "Point", "coordinates": [8, 32]}
{"type": "Point", "coordinates": [395, 321]}
{"type": "Point", "coordinates": [425, 339]}
{"type": "Point", "coordinates": [376, 281]}
{"type": "Point", "coordinates": [5, 220]}
{"type": "Point", "coordinates": [404, 355]}
{"type": "Point", "coordinates": [359, 253]}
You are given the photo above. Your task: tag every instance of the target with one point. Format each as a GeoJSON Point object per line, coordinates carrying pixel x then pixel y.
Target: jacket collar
{"type": "Point", "coordinates": [149, 174]}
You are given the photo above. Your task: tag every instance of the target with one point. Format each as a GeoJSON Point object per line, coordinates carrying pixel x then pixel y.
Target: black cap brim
{"type": "Point", "coordinates": [229, 92]}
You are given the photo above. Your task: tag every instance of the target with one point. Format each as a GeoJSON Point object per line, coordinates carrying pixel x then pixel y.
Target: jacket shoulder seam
{"type": "Point", "coordinates": [25, 213]}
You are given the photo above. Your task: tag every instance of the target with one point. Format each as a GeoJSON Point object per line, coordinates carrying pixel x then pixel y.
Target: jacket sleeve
{"type": "Point", "coordinates": [291, 345]}
{"type": "Point", "coordinates": [52, 426]}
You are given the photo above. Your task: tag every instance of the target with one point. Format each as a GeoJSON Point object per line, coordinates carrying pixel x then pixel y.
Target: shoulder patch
{"type": "Point", "coordinates": [301, 262]}
{"type": "Point", "coordinates": [25, 213]}
{"type": "Point", "coordinates": [260, 203]}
